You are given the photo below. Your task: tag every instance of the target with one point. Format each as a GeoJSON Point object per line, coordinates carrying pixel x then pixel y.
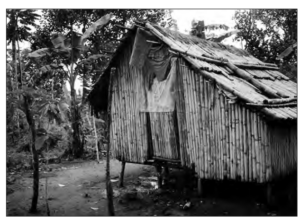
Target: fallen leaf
{"type": "Point", "coordinates": [187, 205]}
{"type": "Point", "coordinates": [95, 209]}
{"type": "Point", "coordinates": [114, 180]}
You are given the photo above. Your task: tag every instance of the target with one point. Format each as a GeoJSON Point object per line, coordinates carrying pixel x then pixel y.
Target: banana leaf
{"type": "Point", "coordinates": [287, 51]}
{"type": "Point", "coordinates": [92, 58]}
{"type": "Point", "coordinates": [97, 25]}
{"type": "Point", "coordinates": [39, 53]}
{"type": "Point", "coordinates": [58, 41]}
{"type": "Point", "coordinates": [46, 68]}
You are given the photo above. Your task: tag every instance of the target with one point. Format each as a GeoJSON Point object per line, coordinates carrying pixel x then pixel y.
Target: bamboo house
{"type": "Point", "coordinates": [178, 99]}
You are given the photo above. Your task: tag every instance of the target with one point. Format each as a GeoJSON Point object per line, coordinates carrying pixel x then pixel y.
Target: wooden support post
{"type": "Point", "coordinates": [121, 183]}
{"type": "Point", "coordinates": [199, 187]}
{"type": "Point", "coordinates": [166, 174]}
{"type": "Point", "coordinates": [269, 194]}
{"type": "Point", "coordinates": [159, 176]}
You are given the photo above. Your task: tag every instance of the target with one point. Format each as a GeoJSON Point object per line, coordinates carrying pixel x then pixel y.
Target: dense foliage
{"type": "Point", "coordinates": [267, 33]}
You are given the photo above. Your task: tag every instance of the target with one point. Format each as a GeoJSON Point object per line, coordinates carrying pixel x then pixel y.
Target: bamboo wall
{"type": "Point", "coordinates": [222, 139]}
{"type": "Point", "coordinates": [163, 134]}
{"type": "Point", "coordinates": [283, 139]}
{"type": "Point", "coordinates": [137, 136]}
{"type": "Point", "coordinates": [128, 131]}
{"type": "Point", "coordinates": [226, 139]}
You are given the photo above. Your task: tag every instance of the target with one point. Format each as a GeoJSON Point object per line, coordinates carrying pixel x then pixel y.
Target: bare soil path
{"type": "Point", "coordinates": [78, 188]}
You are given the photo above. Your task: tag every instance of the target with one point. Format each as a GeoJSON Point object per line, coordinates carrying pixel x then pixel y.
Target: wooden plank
{"type": "Point", "coordinates": [254, 143]}
{"type": "Point", "coordinates": [179, 111]}
{"type": "Point", "coordinates": [117, 116]}
{"type": "Point", "coordinates": [209, 131]}
{"type": "Point", "coordinates": [219, 119]}
{"type": "Point", "coordinates": [242, 146]}
{"type": "Point", "coordinates": [263, 146]}
{"type": "Point", "coordinates": [130, 104]}
{"type": "Point", "coordinates": [213, 133]}
{"type": "Point", "coordinates": [199, 126]}
{"type": "Point", "coordinates": [193, 114]}
{"type": "Point", "coordinates": [203, 125]}
{"type": "Point", "coordinates": [190, 113]}
{"type": "Point", "coordinates": [122, 123]}
{"type": "Point", "coordinates": [237, 141]}
{"type": "Point", "coordinates": [257, 149]}
{"type": "Point", "coordinates": [215, 129]}
{"type": "Point", "coordinates": [127, 112]}
{"type": "Point", "coordinates": [187, 115]}
{"type": "Point", "coordinates": [233, 146]}
{"type": "Point", "coordinates": [249, 144]}
{"type": "Point", "coordinates": [227, 136]}
{"type": "Point", "coordinates": [185, 140]}
{"type": "Point", "coordinates": [223, 136]}
{"type": "Point", "coordinates": [197, 122]}
{"type": "Point", "coordinates": [113, 137]}
{"type": "Point", "coordinates": [206, 121]}
{"type": "Point", "coordinates": [143, 116]}
{"type": "Point", "coordinates": [138, 126]}
{"type": "Point", "coordinates": [245, 145]}
{"type": "Point", "coordinates": [196, 118]}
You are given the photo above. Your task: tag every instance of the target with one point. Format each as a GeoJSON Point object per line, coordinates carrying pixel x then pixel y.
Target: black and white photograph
{"type": "Point", "coordinates": [151, 112]}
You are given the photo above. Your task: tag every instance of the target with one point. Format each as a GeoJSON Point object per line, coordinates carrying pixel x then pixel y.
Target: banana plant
{"type": "Point", "coordinates": [69, 48]}
{"type": "Point", "coordinates": [74, 44]}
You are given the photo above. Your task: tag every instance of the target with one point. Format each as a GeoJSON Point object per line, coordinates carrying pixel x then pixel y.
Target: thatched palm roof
{"type": "Point", "coordinates": [211, 59]}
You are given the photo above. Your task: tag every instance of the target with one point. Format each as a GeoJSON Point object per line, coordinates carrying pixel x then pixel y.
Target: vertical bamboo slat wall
{"type": "Point", "coordinates": [221, 138]}
{"type": "Point", "coordinates": [282, 150]}
{"type": "Point", "coordinates": [163, 135]}
{"type": "Point", "coordinates": [129, 129]}
{"type": "Point", "coordinates": [226, 139]}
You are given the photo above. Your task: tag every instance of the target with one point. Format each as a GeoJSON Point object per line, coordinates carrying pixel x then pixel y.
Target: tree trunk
{"type": "Point", "coordinates": [77, 144]}
{"type": "Point", "coordinates": [14, 54]}
{"type": "Point", "coordinates": [30, 121]}
{"type": "Point", "coordinates": [20, 65]}
{"type": "Point", "coordinates": [109, 190]}
{"type": "Point", "coordinates": [14, 57]}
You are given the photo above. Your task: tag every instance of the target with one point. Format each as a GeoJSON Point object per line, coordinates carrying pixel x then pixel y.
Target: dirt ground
{"type": "Point", "coordinates": [78, 189]}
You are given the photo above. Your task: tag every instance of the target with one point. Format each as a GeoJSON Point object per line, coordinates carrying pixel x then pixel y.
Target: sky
{"type": "Point", "coordinates": [184, 19]}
